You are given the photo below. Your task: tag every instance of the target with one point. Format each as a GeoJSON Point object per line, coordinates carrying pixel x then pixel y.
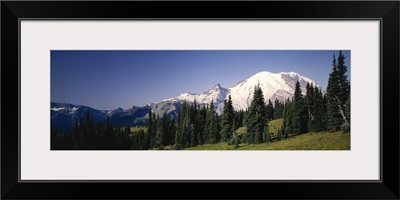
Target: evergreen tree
{"type": "Point", "coordinates": [149, 138]}
{"type": "Point", "coordinates": [256, 117]}
{"type": "Point", "coordinates": [278, 109]}
{"type": "Point", "coordinates": [227, 119]}
{"type": "Point", "coordinates": [287, 119]}
{"type": "Point", "coordinates": [109, 135]}
{"type": "Point", "coordinates": [270, 110]}
{"type": "Point", "coordinates": [334, 120]}
{"type": "Point", "coordinates": [89, 131]}
{"type": "Point", "coordinates": [206, 131]}
{"type": "Point", "coordinates": [158, 132]}
{"type": "Point", "coordinates": [212, 125]}
{"type": "Point", "coordinates": [165, 130]}
{"type": "Point", "coordinates": [184, 126]}
{"type": "Point", "coordinates": [178, 135]}
{"type": "Point", "coordinates": [76, 135]}
{"type": "Point", "coordinates": [235, 139]}
{"type": "Point", "coordinates": [239, 117]}
{"type": "Point", "coordinates": [318, 121]}
{"type": "Point", "coordinates": [202, 114]}
{"type": "Point", "coordinates": [309, 101]}
{"type": "Point", "coordinates": [266, 135]}
{"type": "Point", "coordinates": [343, 84]}
{"type": "Point", "coordinates": [193, 124]}
{"type": "Point", "coordinates": [186, 130]}
{"type": "Point", "coordinates": [300, 116]}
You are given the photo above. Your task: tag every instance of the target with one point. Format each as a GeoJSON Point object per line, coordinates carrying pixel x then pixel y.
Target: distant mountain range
{"type": "Point", "coordinates": [274, 86]}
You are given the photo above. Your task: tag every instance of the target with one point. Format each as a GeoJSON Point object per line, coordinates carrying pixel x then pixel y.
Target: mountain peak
{"type": "Point", "coordinates": [264, 72]}
{"type": "Point", "coordinates": [274, 86]}
{"type": "Point", "coordinates": [293, 74]}
{"type": "Point", "coordinates": [217, 87]}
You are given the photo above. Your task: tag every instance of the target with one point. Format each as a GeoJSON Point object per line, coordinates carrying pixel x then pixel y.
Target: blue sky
{"type": "Point", "coordinates": [111, 79]}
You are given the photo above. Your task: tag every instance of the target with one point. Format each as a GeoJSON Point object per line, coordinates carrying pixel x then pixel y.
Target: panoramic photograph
{"type": "Point", "coordinates": [200, 100]}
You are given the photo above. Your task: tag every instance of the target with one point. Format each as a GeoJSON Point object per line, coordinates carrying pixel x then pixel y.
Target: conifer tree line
{"type": "Point", "coordinates": [199, 124]}
{"type": "Point", "coordinates": [316, 112]}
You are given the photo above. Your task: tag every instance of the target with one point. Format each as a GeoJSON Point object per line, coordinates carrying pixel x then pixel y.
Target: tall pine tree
{"type": "Point", "coordinates": [344, 85]}
{"type": "Point", "coordinates": [227, 119]}
{"type": "Point", "coordinates": [318, 121]}
{"type": "Point", "coordinates": [211, 125]}
{"type": "Point", "coordinates": [300, 114]}
{"type": "Point", "coordinates": [287, 118]}
{"type": "Point", "coordinates": [270, 110]}
{"type": "Point", "coordinates": [256, 117]}
{"type": "Point", "coordinates": [309, 101]}
{"type": "Point", "coordinates": [334, 120]}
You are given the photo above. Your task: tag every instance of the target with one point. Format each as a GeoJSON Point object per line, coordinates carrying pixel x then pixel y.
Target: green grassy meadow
{"type": "Point", "coordinates": [138, 128]}
{"type": "Point", "coordinates": [309, 141]}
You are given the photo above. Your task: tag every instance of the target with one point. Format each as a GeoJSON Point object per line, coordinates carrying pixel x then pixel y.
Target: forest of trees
{"type": "Point", "coordinates": [200, 124]}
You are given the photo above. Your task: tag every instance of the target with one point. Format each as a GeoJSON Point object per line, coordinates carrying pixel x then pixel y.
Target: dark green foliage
{"type": "Point", "coordinates": [86, 136]}
{"type": "Point", "coordinates": [315, 108]}
{"type": "Point", "coordinates": [109, 133]}
{"type": "Point", "coordinates": [256, 117]}
{"type": "Point", "coordinates": [201, 118]}
{"type": "Point", "coordinates": [343, 83]}
{"type": "Point", "coordinates": [150, 136]}
{"type": "Point", "coordinates": [239, 118]}
{"type": "Point", "coordinates": [212, 125]}
{"type": "Point", "coordinates": [299, 110]}
{"type": "Point", "coordinates": [278, 109]}
{"type": "Point", "coordinates": [227, 120]}
{"type": "Point", "coordinates": [270, 110]}
{"type": "Point", "coordinates": [338, 92]}
{"type": "Point", "coordinates": [309, 102]}
{"type": "Point", "coordinates": [318, 119]}
{"type": "Point", "coordinates": [165, 130]}
{"type": "Point", "coordinates": [334, 120]}
{"type": "Point", "coordinates": [287, 117]}
{"type": "Point", "coordinates": [266, 135]}
{"type": "Point", "coordinates": [189, 126]}
{"type": "Point", "coordinates": [172, 132]}
{"type": "Point", "coordinates": [182, 127]}
{"type": "Point", "coordinates": [178, 135]}
{"type": "Point", "coordinates": [234, 140]}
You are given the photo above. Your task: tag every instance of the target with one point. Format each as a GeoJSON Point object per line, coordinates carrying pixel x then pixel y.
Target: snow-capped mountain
{"type": "Point", "coordinates": [274, 86]}
{"type": "Point", "coordinates": [218, 94]}
{"type": "Point", "coordinates": [63, 115]}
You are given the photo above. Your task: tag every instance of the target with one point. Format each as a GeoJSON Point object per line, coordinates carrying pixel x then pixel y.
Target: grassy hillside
{"type": "Point", "coordinates": [273, 125]}
{"type": "Point", "coordinates": [138, 128]}
{"type": "Point", "coordinates": [309, 141]}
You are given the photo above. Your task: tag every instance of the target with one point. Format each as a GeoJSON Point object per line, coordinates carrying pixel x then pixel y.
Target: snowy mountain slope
{"type": "Point", "coordinates": [217, 93]}
{"type": "Point", "coordinates": [274, 86]}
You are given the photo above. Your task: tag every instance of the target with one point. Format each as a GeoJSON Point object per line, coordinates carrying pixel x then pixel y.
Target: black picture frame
{"type": "Point", "coordinates": [386, 11]}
